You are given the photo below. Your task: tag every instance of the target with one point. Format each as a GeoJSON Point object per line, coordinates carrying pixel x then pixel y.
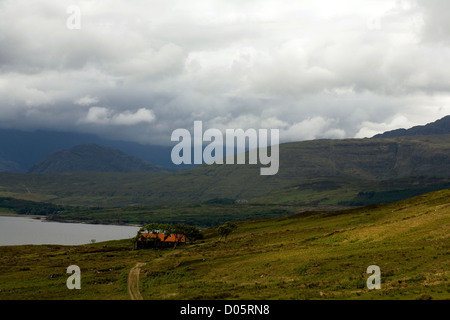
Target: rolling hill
{"type": "Point", "coordinates": [367, 160]}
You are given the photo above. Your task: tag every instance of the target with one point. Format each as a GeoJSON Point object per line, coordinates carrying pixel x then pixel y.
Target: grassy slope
{"type": "Point", "coordinates": [305, 256]}
{"type": "Point", "coordinates": [39, 272]}
{"type": "Point", "coordinates": [317, 256]}
{"type": "Point", "coordinates": [352, 192]}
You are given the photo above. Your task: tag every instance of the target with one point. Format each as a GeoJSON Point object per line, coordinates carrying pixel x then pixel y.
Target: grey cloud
{"type": "Point", "coordinates": [437, 24]}
{"type": "Point", "coordinates": [315, 70]}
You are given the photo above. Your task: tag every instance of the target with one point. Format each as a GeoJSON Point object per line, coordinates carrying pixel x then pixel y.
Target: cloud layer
{"type": "Point", "coordinates": [137, 70]}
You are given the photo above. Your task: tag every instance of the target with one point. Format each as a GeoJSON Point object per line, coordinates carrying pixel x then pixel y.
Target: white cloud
{"type": "Point", "coordinates": [98, 115]}
{"type": "Point", "coordinates": [129, 118]}
{"type": "Point", "coordinates": [105, 116]}
{"type": "Point", "coordinates": [369, 129]}
{"type": "Point", "coordinates": [86, 100]}
{"type": "Point", "coordinates": [308, 129]}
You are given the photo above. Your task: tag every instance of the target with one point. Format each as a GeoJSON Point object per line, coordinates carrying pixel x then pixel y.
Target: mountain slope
{"type": "Point", "coordinates": [91, 157]}
{"type": "Point", "coordinates": [363, 159]}
{"type": "Point", "coordinates": [373, 159]}
{"type": "Point", "coordinates": [441, 126]}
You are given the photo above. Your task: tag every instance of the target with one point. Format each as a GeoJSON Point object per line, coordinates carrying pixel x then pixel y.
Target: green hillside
{"type": "Point", "coordinates": [309, 255]}
{"type": "Point", "coordinates": [317, 256]}
{"type": "Point", "coordinates": [342, 191]}
{"type": "Point", "coordinates": [326, 193]}
{"type": "Point", "coordinates": [359, 159]}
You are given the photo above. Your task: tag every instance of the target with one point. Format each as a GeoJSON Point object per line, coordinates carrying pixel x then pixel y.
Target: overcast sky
{"type": "Point", "coordinates": [138, 69]}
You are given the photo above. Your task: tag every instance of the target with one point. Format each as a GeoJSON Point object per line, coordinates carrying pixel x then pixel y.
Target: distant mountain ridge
{"type": "Point", "coordinates": [22, 151]}
{"type": "Point", "coordinates": [441, 126]}
{"type": "Point", "coordinates": [19, 150]}
{"type": "Point", "coordinates": [91, 157]}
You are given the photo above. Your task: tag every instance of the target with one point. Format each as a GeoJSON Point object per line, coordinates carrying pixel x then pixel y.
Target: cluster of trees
{"type": "Point", "coordinates": [191, 233]}
{"type": "Point", "coordinates": [226, 229]}
{"type": "Point", "coordinates": [30, 207]}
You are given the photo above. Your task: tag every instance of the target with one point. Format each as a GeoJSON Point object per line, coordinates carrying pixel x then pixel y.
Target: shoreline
{"type": "Point", "coordinates": [30, 216]}
{"type": "Point", "coordinates": [44, 218]}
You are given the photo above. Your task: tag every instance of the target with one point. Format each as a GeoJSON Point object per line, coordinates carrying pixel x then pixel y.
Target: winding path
{"type": "Point", "coordinates": [133, 282]}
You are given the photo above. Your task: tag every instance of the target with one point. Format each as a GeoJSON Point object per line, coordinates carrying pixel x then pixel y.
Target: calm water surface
{"type": "Point", "coordinates": [20, 230]}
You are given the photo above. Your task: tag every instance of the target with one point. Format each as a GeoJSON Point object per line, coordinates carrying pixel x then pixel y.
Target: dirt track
{"type": "Point", "coordinates": [133, 282]}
